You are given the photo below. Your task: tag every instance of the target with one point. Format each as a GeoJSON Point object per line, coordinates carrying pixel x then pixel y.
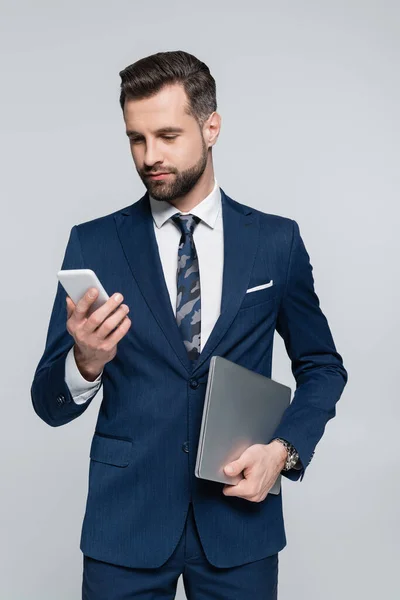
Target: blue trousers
{"type": "Point", "coordinates": [201, 580]}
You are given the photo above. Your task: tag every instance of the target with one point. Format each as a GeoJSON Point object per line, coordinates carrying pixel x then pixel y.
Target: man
{"type": "Point", "coordinates": [186, 258]}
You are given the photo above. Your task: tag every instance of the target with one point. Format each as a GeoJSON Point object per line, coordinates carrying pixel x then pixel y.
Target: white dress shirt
{"type": "Point", "coordinates": [209, 240]}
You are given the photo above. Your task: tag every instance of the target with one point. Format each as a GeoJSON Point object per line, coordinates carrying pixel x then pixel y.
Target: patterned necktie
{"type": "Point", "coordinates": [188, 304]}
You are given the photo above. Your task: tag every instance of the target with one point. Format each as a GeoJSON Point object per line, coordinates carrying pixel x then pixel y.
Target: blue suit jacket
{"type": "Point", "coordinates": [143, 451]}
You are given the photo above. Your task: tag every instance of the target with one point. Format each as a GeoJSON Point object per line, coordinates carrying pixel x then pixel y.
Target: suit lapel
{"type": "Point", "coordinates": [136, 233]}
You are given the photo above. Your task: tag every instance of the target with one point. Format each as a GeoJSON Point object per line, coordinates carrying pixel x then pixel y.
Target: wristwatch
{"type": "Point", "coordinates": [292, 457]}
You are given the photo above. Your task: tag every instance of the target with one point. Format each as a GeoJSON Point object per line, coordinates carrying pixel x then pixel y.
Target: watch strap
{"type": "Point", "coordinates": [293, 455]}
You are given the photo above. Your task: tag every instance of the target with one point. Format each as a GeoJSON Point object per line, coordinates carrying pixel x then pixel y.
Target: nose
{"type": "Point", "coordinates": [152, 155]}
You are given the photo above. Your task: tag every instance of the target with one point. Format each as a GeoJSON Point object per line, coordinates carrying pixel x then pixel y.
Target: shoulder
{"type": "Point", "coordinates": [274, 225]}
{"type": "Point", "coordinates": [102, 224]}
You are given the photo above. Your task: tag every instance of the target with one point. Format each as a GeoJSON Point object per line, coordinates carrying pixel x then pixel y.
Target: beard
{"type": "Point", "coordinates": [181, 182]}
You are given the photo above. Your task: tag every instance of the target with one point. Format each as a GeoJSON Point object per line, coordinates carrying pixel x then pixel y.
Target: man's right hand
{"type": "Point", "coordinates": [96, 337]}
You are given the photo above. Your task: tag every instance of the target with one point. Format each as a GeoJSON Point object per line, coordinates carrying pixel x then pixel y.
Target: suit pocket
{"type": "Point", "coordinates": [257, 288]}
{"type": "Point", "coordinates": [259, 295]}
{"type": "Point", "coordinates": [112, 451]}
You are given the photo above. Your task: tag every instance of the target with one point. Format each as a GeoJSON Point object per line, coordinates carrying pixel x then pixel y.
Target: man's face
{"type": "Point", "coordinates": [164, 139]}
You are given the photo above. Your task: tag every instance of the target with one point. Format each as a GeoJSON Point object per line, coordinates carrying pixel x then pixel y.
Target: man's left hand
{"type": "Point", "coordinates": [261, 465]}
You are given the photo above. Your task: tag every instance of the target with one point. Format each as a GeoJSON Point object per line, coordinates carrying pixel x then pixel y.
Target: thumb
{"type": "Point", "coordinates": [234, 467]}
{"type": "Point", "coordinates": [70, 306]}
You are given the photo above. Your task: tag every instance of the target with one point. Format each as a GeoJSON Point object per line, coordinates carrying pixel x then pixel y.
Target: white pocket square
{"type": "Point", "coordinates": [260, 287]}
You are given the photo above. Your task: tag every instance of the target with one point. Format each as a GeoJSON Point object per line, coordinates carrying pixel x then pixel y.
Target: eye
{"type": "Point", "coordinates": [165, 137]}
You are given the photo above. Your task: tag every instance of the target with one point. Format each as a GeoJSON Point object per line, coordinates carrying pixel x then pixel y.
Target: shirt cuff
{"type": "Point", "coordinates": [81, 389]}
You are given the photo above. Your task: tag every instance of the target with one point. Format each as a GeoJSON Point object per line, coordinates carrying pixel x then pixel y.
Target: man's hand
{"type": "Point", "coordinates": [96, 336]}
{"type": "Point", "coordinates": [261, 465]}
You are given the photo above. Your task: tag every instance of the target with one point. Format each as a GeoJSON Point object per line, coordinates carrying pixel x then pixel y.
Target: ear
{"type": "Point", "coordinates": [212, 128]}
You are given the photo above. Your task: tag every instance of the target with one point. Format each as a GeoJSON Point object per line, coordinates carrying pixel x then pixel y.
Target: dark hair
{"type": "Point", "coordinates": [146, 77]}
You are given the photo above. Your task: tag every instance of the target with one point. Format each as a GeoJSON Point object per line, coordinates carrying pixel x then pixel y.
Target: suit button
{"type": "Point", "coordinates": [185, 447]}
{"type": "Point", "coordinates": [194, 384]}
{"type": "Point", "coordinates": [60, 399]}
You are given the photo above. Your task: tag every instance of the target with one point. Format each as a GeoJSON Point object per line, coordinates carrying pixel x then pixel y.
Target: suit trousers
{"type": "Point", "coordinates": [201, 580]}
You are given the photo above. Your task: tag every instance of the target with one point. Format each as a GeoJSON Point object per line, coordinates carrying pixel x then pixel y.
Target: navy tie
{"type": "Point", "coordinates": [188, 302]}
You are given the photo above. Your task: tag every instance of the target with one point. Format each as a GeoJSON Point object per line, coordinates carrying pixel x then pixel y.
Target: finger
{"type": "Point", "coordinates": [240, 489]}
{"type": "Point", "coordinates": [119, 332]}
{"type": "Point", "coordinates": [82, 306]}
{"type": "Point", "coordinates": [103, 312]}
{"type": "Point", "coordinates": [231, 490]}
{"type": "Point", "coordinates": [107, 327]}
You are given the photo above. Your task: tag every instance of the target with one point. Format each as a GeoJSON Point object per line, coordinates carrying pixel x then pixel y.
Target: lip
{"type": "Point", "coordinates": [158, 175]}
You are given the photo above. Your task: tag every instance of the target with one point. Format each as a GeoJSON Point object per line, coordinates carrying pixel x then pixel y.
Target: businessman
{"type": "Point", "coordinates": [192, 273]}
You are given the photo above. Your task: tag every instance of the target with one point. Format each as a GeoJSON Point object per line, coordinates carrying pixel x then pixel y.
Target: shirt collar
{"type": "Point", "coordinates": [207, 210]}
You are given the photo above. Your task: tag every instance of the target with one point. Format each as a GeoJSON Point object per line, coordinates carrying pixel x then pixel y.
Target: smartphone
{"type": "Point", "coordinates": [76, 283]}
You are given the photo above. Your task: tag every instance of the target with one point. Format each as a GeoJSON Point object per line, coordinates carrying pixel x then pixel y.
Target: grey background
{"type": "Point", "coordinates": [309, 96]}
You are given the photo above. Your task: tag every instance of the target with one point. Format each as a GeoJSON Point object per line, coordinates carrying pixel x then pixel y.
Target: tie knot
{"type": "Point", "coordinates": [186, 223]}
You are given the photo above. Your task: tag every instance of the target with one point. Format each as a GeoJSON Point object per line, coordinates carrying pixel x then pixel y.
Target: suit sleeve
{"type": "Point", "coordinates": [51, 397]}
{"type": "Point", "coordinates": [316, 365]}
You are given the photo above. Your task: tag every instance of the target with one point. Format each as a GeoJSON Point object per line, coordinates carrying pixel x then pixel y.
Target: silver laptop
{"type": "Point", "coordinates": [241, 408]}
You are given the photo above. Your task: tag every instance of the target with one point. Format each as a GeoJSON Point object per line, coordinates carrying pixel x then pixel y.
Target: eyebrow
{"type": "Point", "coordinates": [130, 132]}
